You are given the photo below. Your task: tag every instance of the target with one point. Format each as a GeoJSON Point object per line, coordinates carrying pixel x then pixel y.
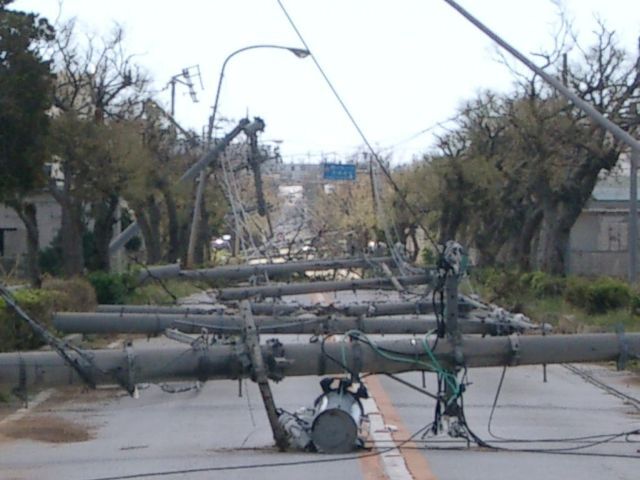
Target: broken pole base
{"type": "Point", "coordinates": [252, 343]}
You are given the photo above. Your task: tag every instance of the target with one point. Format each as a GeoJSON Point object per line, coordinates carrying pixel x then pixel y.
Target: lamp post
{"type": "Point", "coordinates": [298, 52]}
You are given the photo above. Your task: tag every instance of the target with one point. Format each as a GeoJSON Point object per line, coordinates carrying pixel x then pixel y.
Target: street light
{"type": "Point", "coordinates": [298, 52]}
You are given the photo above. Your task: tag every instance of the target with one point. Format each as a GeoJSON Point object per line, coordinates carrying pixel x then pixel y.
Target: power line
{"type": "Point", "coordinates": [254, 466]}
{"type": "Point", "coordinates": [364, 138]}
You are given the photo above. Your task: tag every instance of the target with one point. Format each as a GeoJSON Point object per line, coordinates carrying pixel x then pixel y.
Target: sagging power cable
{"type": "Point", "coordinates": [364, 138]}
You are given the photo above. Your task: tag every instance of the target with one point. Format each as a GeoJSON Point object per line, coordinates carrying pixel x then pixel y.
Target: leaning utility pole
{"type": "Point", "coordinates": [204, 161]}
{"type": "Point", "coordinates": [594, 114]}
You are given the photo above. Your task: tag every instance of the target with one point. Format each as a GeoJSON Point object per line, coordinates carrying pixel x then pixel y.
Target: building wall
{"type": "Point", "coordinates": [599, 243]}
{"type": "Point", "coordinates": [49, 216]}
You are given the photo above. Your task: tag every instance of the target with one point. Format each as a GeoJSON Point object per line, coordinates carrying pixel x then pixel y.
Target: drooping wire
{"type": "Point", "coordinates": [254, 466]}
{"type": "Point", "coordinates": [364, 138]}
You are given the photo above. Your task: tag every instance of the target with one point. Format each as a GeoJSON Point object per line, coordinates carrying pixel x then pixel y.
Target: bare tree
{"type": "Point", "coordinates": [96, 81]}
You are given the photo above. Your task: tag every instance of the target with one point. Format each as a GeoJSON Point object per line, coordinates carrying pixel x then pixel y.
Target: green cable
{"type": "Point", "coordinates": [434, 366]}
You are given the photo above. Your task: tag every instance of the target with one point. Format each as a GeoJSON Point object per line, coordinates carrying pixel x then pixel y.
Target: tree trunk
{"type": "Point", "coordinates": [27, 213]}
{"type": "Point", "coordinates": [551, 248]}
{"type": "Point", "coordinates": [522, 255]}
{"type": "Point", "coordinates": [72, 245]}
{"type": "Point", "coordinates": [71, 230]}
{"type": "Point", "coordinates": [104, 218]}
{"type": "Point", "coordinates": [149, 222]}
{"type": "Point", "coordinates": [202, 239]}
{"type": "Point", "coordinates": [413, 254]}
{"type": "Point", "coordinates": [173, 253]}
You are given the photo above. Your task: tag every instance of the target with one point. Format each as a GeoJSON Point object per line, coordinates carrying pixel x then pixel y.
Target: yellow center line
{"type": "Point", "coordinates": [414, 459]}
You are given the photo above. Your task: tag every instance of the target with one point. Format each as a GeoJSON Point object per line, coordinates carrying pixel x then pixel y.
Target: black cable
{"type": "Point", "coordinates": [539, 440]}
{"type": "Point", "coordinates": [471, 436]}
{"type": "Point", "coordinates": [266, 465]}
{"type": "Point", "coordinates": [154, 278]}
{"type": "Point", "coordinates": [335, 360]}
{"type": "Point", "coordinates": [365, 140]}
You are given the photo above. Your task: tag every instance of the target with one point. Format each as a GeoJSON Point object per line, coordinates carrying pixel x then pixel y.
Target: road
{"type": "Point", "coordinates": [213, 433]}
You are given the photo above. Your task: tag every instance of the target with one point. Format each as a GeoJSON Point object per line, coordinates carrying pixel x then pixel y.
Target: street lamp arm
{"type": "Point", "coordinates": [298, 52]}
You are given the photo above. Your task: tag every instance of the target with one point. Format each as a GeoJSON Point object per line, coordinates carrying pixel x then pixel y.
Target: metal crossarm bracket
{"type": "Point", "coordinates": [259, 374]}
{"type": "Point", "coordinates": [276, 360]}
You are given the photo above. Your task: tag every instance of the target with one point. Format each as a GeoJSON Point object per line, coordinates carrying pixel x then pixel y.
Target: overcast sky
{"type": "Point", "coordinates": [400, 65]}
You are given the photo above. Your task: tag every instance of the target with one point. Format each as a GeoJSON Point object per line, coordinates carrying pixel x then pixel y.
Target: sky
{"type": "Point", "coordinates": [401, 66]}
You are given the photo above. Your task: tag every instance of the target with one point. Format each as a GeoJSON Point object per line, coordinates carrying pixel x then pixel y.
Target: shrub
{"type": "Point", "coordinates": [608, 294]}
{"type": "Point", "coordinates": [77, 294]}
{"type": "Point", "coordinates": [542, 284]}
{"type": "Point", "coordinates": [55, 296]}
{"type": "Point", "coordinates": [15, 334]}
{"type": "Point", "coordinates": [577, 291]}
{"type": "Point", "coordinates": [502, 284]}
{"type": "Point", "coordinates": [598, 296]}
{"type": "Point", "coordinates": [112, 288]}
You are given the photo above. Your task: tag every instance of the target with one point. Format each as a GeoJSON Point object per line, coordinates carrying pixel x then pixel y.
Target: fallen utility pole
{"type": "Point", "coordinates": [154, 324]}
{"type": "Point", "coordinates": [373, 309]}
{"type": "Point", "coordinates": [45, 368]}
{"type": "Point", "coordinates": [592, 112]}
{"type": "Point", "coordinates": [239, 272]}
{"type": "Point", "coordinates": [240, 293]}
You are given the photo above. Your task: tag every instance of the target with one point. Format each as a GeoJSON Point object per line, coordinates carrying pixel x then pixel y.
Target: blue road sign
{"type": "Point", "coordinates": [338, 171]}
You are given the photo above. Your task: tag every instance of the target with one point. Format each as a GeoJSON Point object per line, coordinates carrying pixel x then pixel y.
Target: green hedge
{"type": "Point", "coordinates": [595, 296]}
{"type": "Point", "coordinates": [542, 285]}
{"type": "Point", "coordinates": [112, 288]}
{"type": "Point", "coordinates": [599, 295]}
{"type": "Point", "coordinates": [56, 295]}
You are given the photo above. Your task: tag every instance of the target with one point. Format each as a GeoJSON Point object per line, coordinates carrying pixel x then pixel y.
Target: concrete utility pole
{"type": "Point", "coordinates": [240, 293]}
{"type": "Point", "coordinates": [373, 309]}
{"type": "Point", "coordinates": [243, 272]}
{"type": "Point", "coordinates": [44, 368]}
{"type": "Point", "coordinates": [204, 161]}
{"type": "Point", "coordinates": [298, 52]}
{"type": "Point", "coordinates": [154, 324]}
{"type": "Point", "coordinates": [596, 116]}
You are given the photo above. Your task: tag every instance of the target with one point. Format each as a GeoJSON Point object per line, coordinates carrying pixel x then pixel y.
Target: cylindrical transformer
{"type": "Point", "coordinates": [336, 422]}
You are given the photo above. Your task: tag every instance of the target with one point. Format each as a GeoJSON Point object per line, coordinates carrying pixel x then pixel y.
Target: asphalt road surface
{"type": "Point", "coordinates": [214, 433]}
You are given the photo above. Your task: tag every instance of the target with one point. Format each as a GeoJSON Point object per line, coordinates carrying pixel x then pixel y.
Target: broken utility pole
{"type": "Point", "coordinates": [272, 270]}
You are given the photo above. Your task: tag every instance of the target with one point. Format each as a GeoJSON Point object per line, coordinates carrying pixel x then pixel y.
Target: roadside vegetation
{"type": "Point", "coordinates": [81, 294]}
{"type": "Point", "coordinates": [571, 304]}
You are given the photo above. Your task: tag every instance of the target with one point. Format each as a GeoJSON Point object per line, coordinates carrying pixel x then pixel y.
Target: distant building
{"type": "Point", "coordinates": [13, 235]}
{"type": "Point", "coordinates": [598, 243]}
